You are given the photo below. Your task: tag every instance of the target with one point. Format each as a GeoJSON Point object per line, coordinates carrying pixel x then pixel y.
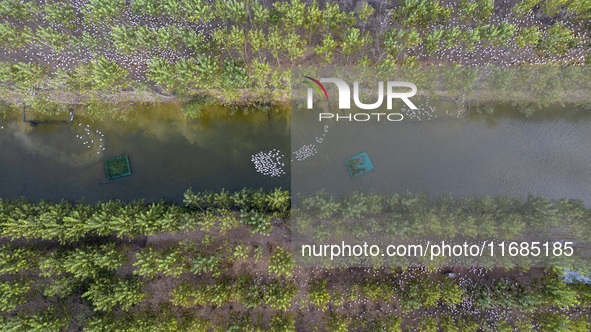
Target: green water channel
{"type": "Point", "coordinates": [505, 153]}
{"type": "Point", "coordinates": [168, 154]}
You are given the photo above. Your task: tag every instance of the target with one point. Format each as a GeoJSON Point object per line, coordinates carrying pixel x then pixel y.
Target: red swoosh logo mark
{"type": "Point", "coordinates": [319, 84]}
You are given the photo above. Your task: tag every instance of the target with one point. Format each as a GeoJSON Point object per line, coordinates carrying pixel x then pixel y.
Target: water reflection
{"type": "Point", "coordinates": [168, 154]}
{"type": "Point", "coordinates": [506, 153]}
{"type": "Point", "coordinates": [503, 153]}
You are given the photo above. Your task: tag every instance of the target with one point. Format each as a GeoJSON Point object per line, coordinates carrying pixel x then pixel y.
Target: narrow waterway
{"type": "Point", "coordinates": [168, 154]}
{"type": "Point", "coordinates": [505, 153]}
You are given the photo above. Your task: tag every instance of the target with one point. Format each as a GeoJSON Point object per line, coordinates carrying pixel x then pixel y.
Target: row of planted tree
{"type": "Point", "coordinates": [56, 280]}
{"type": "Point", "coordinates": [400, 214]}
{"type": "Point", "coordinates": [80, 259]}
{"type": "Point", "coordinates": [233, 279]}
{"type": "Point", "coordinates": [325, 216]}
{"type": "Point", "coordinates": [67, 221]}
{"type": "Point", "coordinates": [224, 48]}
{"type": "Point", "coordinates": [325, 227]}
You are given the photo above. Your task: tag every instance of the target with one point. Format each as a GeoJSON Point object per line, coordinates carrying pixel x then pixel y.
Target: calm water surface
{"type": "Point", "coordinates": [548, 154]}
{"type": "Point", "coordinates": [168, 154]}
{"type": "Point", "coordinates": [506, 153]}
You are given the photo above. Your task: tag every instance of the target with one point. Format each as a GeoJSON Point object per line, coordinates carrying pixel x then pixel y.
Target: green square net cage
{"type": "Point", "coordinates": [117, 167]}
{"type": "Point", "coordinates": [359, 164]}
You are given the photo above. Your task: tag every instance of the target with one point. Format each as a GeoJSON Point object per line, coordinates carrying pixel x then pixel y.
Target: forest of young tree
{"type": "Point", "coordinates": [103, 53]}
{"type": "Point", "coordinates": [222, 262]}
